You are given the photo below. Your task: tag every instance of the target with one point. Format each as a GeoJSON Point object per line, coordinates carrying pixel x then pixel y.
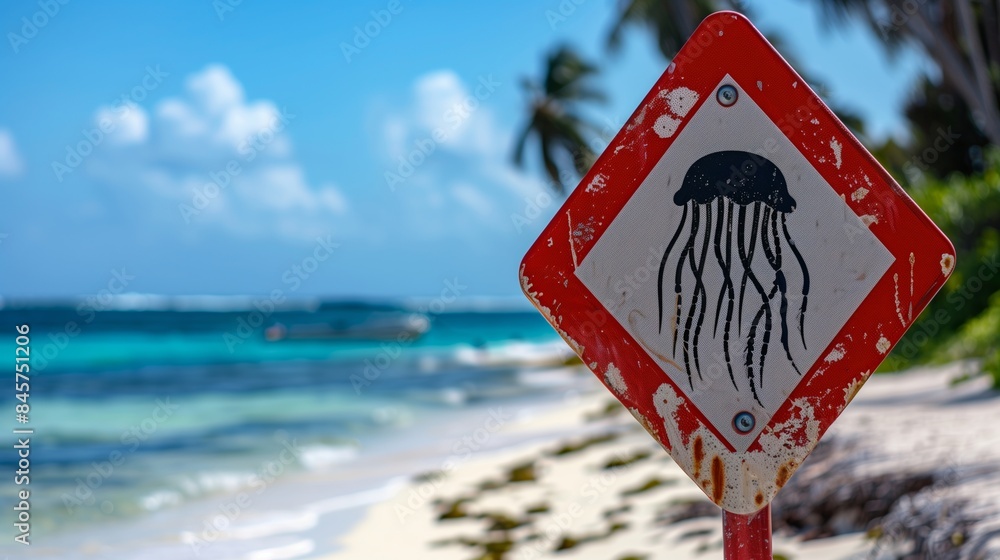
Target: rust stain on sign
{"type": "Point", "coordinates": [699, 456]}
{"type": "Point", "coordinates": [781, 448]}
{"type": "Point", "coordinates": [718, 479]}
{"type": "Point", "coordinates": [784, 473]}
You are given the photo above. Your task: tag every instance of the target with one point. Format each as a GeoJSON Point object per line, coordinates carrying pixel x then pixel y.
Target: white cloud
{"type": "Point", "coordinates": [463, 180]}
{"type": "Point", "coordinates": [215, 90]}
{"type": "Point", "coordinates": [11, 164]}
{"type": "Point", "coordinates": [129, 123]}
{"type": "Point", "coordinates": [218, 158]}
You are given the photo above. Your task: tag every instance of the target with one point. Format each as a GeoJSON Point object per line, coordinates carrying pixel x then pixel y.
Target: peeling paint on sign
{"type": "Point", "coordinates": [899, 307]}
{"type": "Point", "coordinates": [681, 100]}
{"type": "Point", "coordinates": [597, 184]}
{"type": "Point", "coordinates": [837, 148]}
{"type": "Point", "coordinates": [613, 377]}
{"type": "Point", "coordinates": [869, 219]}
{"type": "Point", "coordinates": [665, 126]}
{"type": "Point", "coordinates": [947, 263]}
{"type": "Point", "coordinates": [882, 345]}
{"type": "Point", "coordinates": [836, 354]}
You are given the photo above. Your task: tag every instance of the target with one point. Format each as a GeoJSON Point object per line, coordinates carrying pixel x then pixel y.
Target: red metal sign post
{"type": "Point", "coordinates": [747, 536]}
{"type": "Point", "coordinates": [733, 268]}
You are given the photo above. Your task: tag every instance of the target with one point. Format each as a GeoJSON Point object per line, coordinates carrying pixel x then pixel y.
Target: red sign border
{"type": "Point", "coordinates": [727, 43]}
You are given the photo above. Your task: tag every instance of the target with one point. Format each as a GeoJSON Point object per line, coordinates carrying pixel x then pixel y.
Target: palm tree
{"type": "Point", "coordinates": [555, 119]}
{"type": "Point", "coordinates": [671, 21]}
{"type": "Point", "coordinates": [963, 41]}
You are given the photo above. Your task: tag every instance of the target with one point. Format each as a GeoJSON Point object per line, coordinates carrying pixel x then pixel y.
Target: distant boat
{"type": "Point", "coordinates": [394, 327]}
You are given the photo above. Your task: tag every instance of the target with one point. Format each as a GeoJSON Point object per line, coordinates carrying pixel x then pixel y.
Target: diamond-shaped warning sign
{"type": "Point", "coordinates": [735, 265]}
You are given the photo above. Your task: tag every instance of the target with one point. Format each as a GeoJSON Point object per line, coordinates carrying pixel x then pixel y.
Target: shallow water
{"type": "Point", "coordinates": [144, 414]}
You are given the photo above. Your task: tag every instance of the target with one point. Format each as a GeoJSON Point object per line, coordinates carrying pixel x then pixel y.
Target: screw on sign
{"type": "Point", "coordinates": [771, 264]}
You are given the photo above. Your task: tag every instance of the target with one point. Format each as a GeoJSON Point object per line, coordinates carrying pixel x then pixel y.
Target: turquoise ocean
{"type": "Point", "coordinates": [144, 406]}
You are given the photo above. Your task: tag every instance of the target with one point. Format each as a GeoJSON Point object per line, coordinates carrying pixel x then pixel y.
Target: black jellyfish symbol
{"type": "Point", "coordinates": [751, 190]}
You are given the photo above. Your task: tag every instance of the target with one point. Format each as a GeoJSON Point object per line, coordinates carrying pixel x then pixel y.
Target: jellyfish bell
{"type": "Point", "coordinates": [742, 177]}
{"type": "Point", "coordinates": [724, 193]}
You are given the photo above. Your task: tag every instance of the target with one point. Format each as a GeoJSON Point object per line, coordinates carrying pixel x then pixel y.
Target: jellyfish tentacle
{"type": "Point", "coordinates": [687, 255]}
{"type": "Point", "coordinates": [746, 259]}
{"type": "Point", "coordinates": [765, 238]}
{"type": "Point", "coordinates": [731, 296]}
{"type": "Point", "coordinates": [750, 248]}
{"type": "Point", "coordinates": [773, 254]}
{"type": "Point", "coordinates": [663, 263]}
{"type": "Point", "coordinates": [741, 253]}
{"type": "Point", "coordinates": [767, 336]}
{"type": "Point", "coordinates": [764, 296]}
{"type": "Point", "coordinates": [748, 355]}
{"type": "Point", "coordinates": [697, 300]}
{"type": "Point", "coordinates": [782, 284]}
{"type": "Point", "coordinates": [805, 279]}
{"type": "Point", "coordinates": [723, 264]}
{"type": "Point", "coordinates": [726, 210]}
{"type": "Point", "coordinates": [700, 295]}
{"type": "Point", "coordinates": [686, 252]}
{"type": "Point", "coordinates": [763, 312]}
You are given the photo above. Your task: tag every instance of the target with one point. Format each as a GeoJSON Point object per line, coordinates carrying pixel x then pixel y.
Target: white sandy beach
{"type": "Point", "coordinates": [904, 423]}
{"type": "Point", "coordinates": [576, 478]}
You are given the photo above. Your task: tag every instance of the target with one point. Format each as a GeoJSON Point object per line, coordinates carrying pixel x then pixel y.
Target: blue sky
{"type": "Point", "coordinates": [117, 117]}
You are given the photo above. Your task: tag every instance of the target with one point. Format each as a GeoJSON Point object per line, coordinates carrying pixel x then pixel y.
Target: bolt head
{"type": "Point", "coordinates": [744, 422]}
{"type": "Point", "coordinates": [727, 95]}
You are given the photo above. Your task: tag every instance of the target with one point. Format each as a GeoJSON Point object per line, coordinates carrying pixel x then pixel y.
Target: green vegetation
{"type": "Point", "coordinates": [650, 484]}
{"type": "Point", "coordinates": [454, 509]}
{"type": "Point", "coordinates": [624, 461]}
{"type": "Point", "coordinates": [964, 320]}
{"type": "Point", "coordinates": [538, 508]}
{"type": "Point", "coordinates": [576, 447]}
{"type": "Point", "coordinates": [523, 473]}
{"type": "Point", "coordinates": [611, 409]}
